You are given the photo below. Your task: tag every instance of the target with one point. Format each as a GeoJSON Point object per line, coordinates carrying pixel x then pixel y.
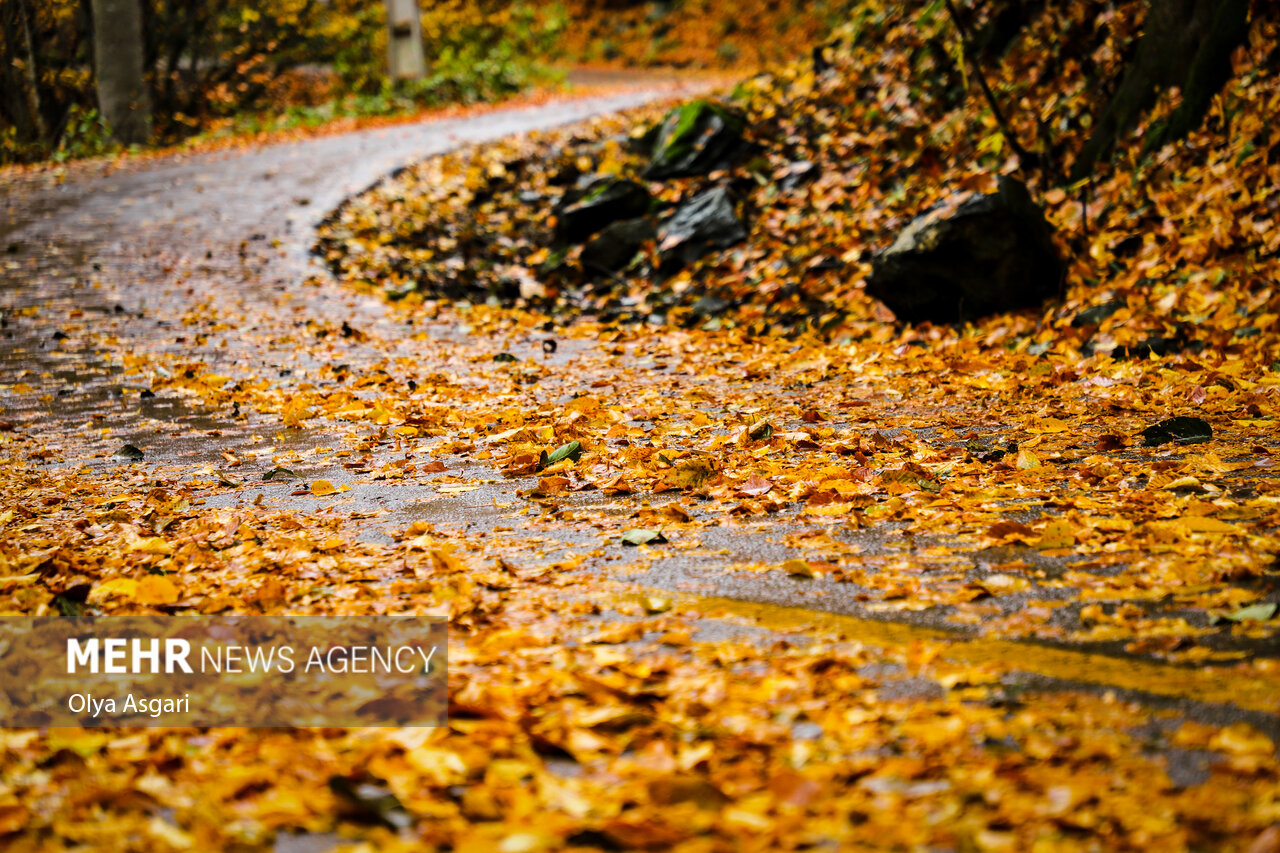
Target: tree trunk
{"type": "Point", "coordinates": [118, 47]}
{"type": "Point", "coordinates": [21, 74]}
{"type": "Point", "coordinates": [1185, 43]}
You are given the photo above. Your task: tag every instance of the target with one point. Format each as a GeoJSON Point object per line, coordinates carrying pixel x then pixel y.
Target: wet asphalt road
{"type": "Point", "coordinates": [133, 248]}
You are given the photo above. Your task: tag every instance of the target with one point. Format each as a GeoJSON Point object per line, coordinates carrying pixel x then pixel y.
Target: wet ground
{"type": "Point", "coordinates": [132, 253]}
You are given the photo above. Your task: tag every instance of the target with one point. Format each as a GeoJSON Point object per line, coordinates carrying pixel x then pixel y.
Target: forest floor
{"type": "Point", "coordinates": [936, 651]}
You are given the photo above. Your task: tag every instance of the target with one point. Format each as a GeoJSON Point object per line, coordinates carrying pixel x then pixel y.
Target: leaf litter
{"type": "Point", "coordinates": [991, 459]}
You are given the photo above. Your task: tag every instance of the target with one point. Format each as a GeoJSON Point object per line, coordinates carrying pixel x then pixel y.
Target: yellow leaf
{"type": "Point", "coordinates": [690, 473]}
{"type": "Point", "coordinates": [1242, 739]}
{"type": "Point", "coordinates": [444, 557]}
{"type": "Point", "coordinates": [1000, 584]}
{"type": "Point", "coordinates": [829, 509]}
{"type": "Point", "coordinates": [1058, 534]}
{"type": "Point", "coordinates": [1049, 425]}
{"type": "Point", "coordinates": [512, 435]}
{"type": "Point", "coordinates": [1200, 524]}
{"type": "Point", "coordinates": [353, 412]}
{"type": "Point", "coordinates": [657, 604]}
{"type": "Point", "coordinates": [1183, 483]}
{"type": "Point", "coordinates": [147, 544]}
{"type": "Point", "coordinates": [114, 588]}
{"type": "Point", "coordinates": [118, 499]}
{"type": "Point", "coordinates": [156, 589]}
{"type": "Point", "coordinates": [1026, 459]}
{"type": "Point", "coordinates": [798, 568]}
{"type": "Point", "coordinates": [320, 488]}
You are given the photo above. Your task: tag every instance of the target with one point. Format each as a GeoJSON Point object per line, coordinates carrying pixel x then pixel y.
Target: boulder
{"type": "Point", "coordinates": [796, 174]}
{"type": "Point", "coordinates": [581, 213]}
{"type": "Point", "coordinates": [694, 139]}
{"type": "Point", "coordinates": [971, 256]}
{"type": "Point", "coordinates": [614, 246]}
{"type": "Point", "coordinates": [702, 224]}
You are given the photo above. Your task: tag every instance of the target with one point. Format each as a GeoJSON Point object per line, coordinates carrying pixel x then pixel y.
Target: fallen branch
{"type": "Point", "coordinates": [1025, 158]}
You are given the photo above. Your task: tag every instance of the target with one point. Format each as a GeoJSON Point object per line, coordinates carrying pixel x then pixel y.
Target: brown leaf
{"type": "Point", "coordinates": [672, 790]}
{"type": "Point", "coordinates": [755, 486]}
{"type": "Point", "coordinates": [1006, 529]}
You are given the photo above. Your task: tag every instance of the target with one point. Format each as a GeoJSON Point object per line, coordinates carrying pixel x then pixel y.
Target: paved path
{"type": "Point", "coordinates": [130, 251]}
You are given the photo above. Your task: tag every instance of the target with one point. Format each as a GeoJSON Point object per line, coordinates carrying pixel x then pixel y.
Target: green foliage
{"type": "Point", "coordinates": [85, 135]}
{"type": "Point", "coordinates": [208, 60]}
{"type": "Point", "coordinates": [484, 51]}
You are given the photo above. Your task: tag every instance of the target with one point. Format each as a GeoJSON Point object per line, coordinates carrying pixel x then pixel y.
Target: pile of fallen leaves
{"type": "Point", "coordinates": [1085, 496]}
{"type": "Point", "coordinates": [1041, 436]}
{"type": "Point", "coordinates": [596, 722]}
{"type": "Point", "coordinates": [1158, 245]}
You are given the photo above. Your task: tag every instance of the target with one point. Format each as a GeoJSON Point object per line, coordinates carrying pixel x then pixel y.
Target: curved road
{"type": "Point", "coordinates": [129, 251]}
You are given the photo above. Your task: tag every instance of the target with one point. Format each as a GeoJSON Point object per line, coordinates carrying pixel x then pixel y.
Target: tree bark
{"type": "Point", "coordinates": [1185, 43]}
{"type": "Point", "coordinates": [22, 74]}
{"type": "Point", "coordinates": [123, 97]}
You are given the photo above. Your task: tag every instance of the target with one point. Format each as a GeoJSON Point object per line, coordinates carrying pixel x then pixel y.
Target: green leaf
{"type": "Point", "coordinates": [505, 358]}
{"type": "Point", "coordinates": [643, 537]}
{"type": "Point", "coordinates": [572, 450]}
{"type": "Point", "coordinates": [68, 608]}
{"type": "Point", "coordinates": [128, 451]}
{"type": "Point", "coordinates": [1253, 613]}
{"type": "Point", "coordinates": [279, 473]}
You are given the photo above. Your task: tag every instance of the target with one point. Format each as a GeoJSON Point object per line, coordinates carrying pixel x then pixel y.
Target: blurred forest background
{"type": "Point", "coordinates": [228, 67]}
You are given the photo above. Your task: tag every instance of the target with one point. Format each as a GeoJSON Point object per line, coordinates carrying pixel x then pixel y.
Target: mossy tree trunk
{"type": "Point", "coordinates": [1185, 43]}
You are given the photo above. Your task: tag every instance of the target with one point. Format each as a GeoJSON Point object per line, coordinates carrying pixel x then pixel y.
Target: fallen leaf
{"type": "Point", "coordinates": [643, 537]}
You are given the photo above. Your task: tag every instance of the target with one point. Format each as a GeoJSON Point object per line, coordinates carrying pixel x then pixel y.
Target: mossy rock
{"type": "Point", "coordinates": [699, 226]}
{"type": "Point", "coordinates": [616, 245]}
{"type": "Point", "coordinates": [580, 214]}
{"type": "Point", "coordinates": [694, 139]}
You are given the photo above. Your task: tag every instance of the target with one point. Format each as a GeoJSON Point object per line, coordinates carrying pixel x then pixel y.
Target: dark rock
{"type": "Point", "coordinates": [1095, 314]}
{"type": "Point", "coordinates": [694, 139]}
{"type": "Point", "coordinates": [969, 257]}
{"type": "Point", "coordinates": [821, 65]}
{"type": "Point", "coordinates": [710, 306]}
{"type": "Point", "coordinates": [795, 174]}
{"type": "Point", "coordinates": [566, 174]}
{"type": "Point", "coordinates": [581, 213]}
{"type": "Point", "coordinates": [614, 247]}
{"type": "Point", "coordinates": [704, 223]}
{"type": "Point", "coordinates": [1182, 430]}
{"type": "Point", "coordinates": [128, 451]}
{"type": "Point", "coordinates": [1157, 346]}
{"type": "Point", "coordinates": [1128, 246]}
